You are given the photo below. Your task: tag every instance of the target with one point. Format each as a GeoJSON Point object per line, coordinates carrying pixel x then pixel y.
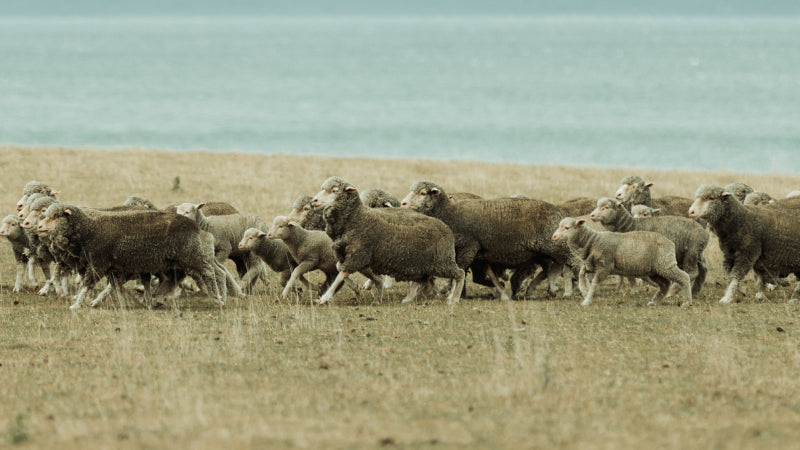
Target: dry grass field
{"type": "Point", "coordinates": [363, 373]}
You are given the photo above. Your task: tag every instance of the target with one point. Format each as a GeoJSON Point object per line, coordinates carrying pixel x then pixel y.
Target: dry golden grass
{"type": "Point", "coordinates": [266, 373]}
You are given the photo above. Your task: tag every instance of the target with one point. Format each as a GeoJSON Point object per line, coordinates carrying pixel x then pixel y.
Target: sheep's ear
{"type": "Point", "coordinates": [350, 189]}
{"type": "Point", "coordinates": [54, 192]}
{"type": "Point", "coordinates": [292, 224]}
{"type": "Point", "coordinates": [648, 184]}
{"type": "Point", "coordinates": [200, 205]}
{"type": "Point", "coordinates": [726, 195]}
{"type": "Point", "coordinates": [68, 212]}
{"type": "Point", "coordinates": [580, 222]}
{"type": "Point", "coordinates": [435, 191]}
{"type": "Point", "coordinates": [261, 234]}
{"type": "Point", "coordinates": [387, 204]}
{"type": "Point", "coordinates": [617, 204]}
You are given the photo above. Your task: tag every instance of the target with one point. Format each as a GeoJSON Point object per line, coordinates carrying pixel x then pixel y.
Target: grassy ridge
{"type": "Point", "coordinates": [361, 373]}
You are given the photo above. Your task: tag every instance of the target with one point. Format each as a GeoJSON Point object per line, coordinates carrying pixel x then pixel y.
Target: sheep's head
{"type": "Point", "coordinates": [378, 198]}
{"type": "Point", "coordinates": [301, 210]}
{"type": "Point", "coordinates": [758, 198]}
{"type": "Point", "coordinates": [710, 203]}
{"type": "Point", "coordinates": [424, 196]}
{"type": "Point", "coordinates": [250, 238]}
{"type": "Point", "coordinates": [641, 211]}
{"type": "Point", "coordinates": [739, 190]}
{"type": "Point", "coordinates": [26, 208]}
{"type": "Point", "coordinates": [34, 187]}
{"type": "Point", "coordinates": [189, 210]}
{"type": "Point", "coordinates": [633, 190]}
{"type": "Point", "coordinates": [281, 228]}
{"type": "Point", "coordinates": [9, 225]}
{"type": "Point", "coordinates": [606, 211]}
{"type": "Point", "coordinates": [55, 215]}
{"type": "Point", "coordinates": [332, 189]}
{"type": "Point", "coordinates": [566, 228]}
{"type": "Point", "coordinates": [38, 208]}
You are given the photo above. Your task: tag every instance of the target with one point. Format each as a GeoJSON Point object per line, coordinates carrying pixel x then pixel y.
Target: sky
{"type": "Point", "coordinates": [62, 8]}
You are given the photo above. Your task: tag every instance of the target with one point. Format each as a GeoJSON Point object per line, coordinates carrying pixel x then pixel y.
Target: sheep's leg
{"type": "Point", "coordinates": [500, 288]}
{"type": "Point", "coordinates": [596, 279]}
{"type": "Point", "coordinates": [702, 271]}
{"type": "Point", "coordinates": [582, 283]}
{"type": "Point", "coordinates": [31, 266]}
{"type": "Point", "coordinates": [332, 288]}
{"type": "Point", "coordinates": [663, 287]}
{"type": "Point", "coordinates": [455, 293]}
{"type": "Point", "coordinates": [21, 269]}
{"type": "Point", "coordinates": [298, 271]}
{"type": "Point", "coordinates": [553, 274]}
{"type": "Point", "coordinates": [730, 293]}
{"type": "Point", "coordinates": [80, 296]}
{"type": "Point", "coordinates": [413, 292]}
{"type": "Point", "coordinates": [377, 281]}
{"type": "Point", "coordinates": [354, 286]}
{"type": "Point", "coordinates": [795, 293]}
{"type": "Point", "coordinates": [534, 283]}
{"type": "Point", "coordinates": [227, 284]}
{"type": "Point", "coordinates": [103, 294]}
{"type": "Point", "coordinates": [147, 295]}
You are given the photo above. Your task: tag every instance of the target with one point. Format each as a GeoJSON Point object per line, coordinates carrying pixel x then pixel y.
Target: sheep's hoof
{"type": "Point", "coordinates": [15, 290]}
{"type": "Point", "coordinates": [725, 300]}
{"type": "Point", "coordinates": [586, 302]}
{"type": "Point", "coordinates": [94, 304]}
{"type": "Point", "coordinates": [75, 306]}
{"type": "Point", "coordinates": [324, 299]}
{"type": "Point", "coordinates": [793, 300]}
{"type": "Point", "coordinates": [367, 285]}
{"type": "Point", "coordinates": [42, 292]}
{"type": "Point", "coordinates": [651, 303]}
{"type": "Point", "coordinates": [759, 296]}
{"type": "Point", "coordinates": [771, 286]}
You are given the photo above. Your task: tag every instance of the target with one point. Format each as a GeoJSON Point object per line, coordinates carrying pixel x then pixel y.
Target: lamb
{"type": "Point", "coordinates": [640, 211]}
{"type": "Point", "coordinates": [407, 246]}
{"type": "Point", "coordinates": [635, 191]}
{"type": "Point", "coordinates": [312, 249]}
{"type": "Point", "coordinates": [378, 198]}
{"type": "Point", "coordinates": [764, 240]}
{"type": "Point", "coordinates": [739, 190]}
{"type": "Point", "coordinates": [513, 232]}
{"type": "Point", "coordinates": [34, 187]}
{"type": "Point", "coordinates": [227, 231]}
{"type": "Point", "coordinates": [690, 238]}
{"type": "Point", "coordinates": [642, 254]}
{"type": "Point", "coordinates": [275, 254]}
{"type": "Point", "coordinates": [10, 228]}
{"type": "Point", "coordinates": [131, 242]}
{"type": "Point", "coordinates": [306, 215]}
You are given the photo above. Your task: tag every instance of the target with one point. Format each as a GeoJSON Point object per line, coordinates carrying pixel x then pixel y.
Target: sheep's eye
{"type": "Point", "coordinates": [306, 208]}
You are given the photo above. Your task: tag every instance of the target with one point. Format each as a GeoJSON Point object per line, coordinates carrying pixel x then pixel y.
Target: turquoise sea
{"type": "Point", "coordinates": [661, 92]}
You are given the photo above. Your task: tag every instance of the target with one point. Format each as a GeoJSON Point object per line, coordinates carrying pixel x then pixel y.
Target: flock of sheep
{"type": "Point", "coordinates": [429, 234]}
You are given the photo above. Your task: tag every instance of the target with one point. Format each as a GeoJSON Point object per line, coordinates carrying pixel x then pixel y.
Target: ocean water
{"type": "Point", "coordinates": [668, 92]}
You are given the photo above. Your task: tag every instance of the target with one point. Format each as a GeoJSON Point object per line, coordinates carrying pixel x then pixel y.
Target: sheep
{"type": "Point", "coordinates": [34, 187]}
{"type": "Point", "coordinates": [10, 228]}
{"type": "Point", "coordinates": [635, 191]}
{"type": "Point", "coordinates": [139, 201]}
{"type": "Point", "coordinates": [643, 254]}
{"type": "Point", "coordinates": [275, 254]}
{"type": "Point", "coordinates": [40, 247]}
{"type": "Point", "coordinates": [785, 203]}
{"type": "Point", "coordinates": [764, 240]}
{"type": "Point", "coordinates": [793, 194]}
{"type": "Point", "coordinates": [510, 231]}
{"type": "Point", "coordinates": [131, 242]}
{"type": "Point", "coordinates": [209, 208]}
{"type": "Point", "coordinates": [690, 238]}
{"type": "Point", "coordinates": [407, 246]}
{"type": "Point", "coordinates": [378, 198]}
{"type": "Point", "coordinates": [640, 211]}
{"type": "Point", "coordinates": [739, 190]}
{"type": "Point", "coordinates": [756, 198]}
{"type": "Point", "coordinates": [312, 249]}
{"type": "Point", "coordinates": [227, 231]}
{"type": "Point", "coordinates": [306, 215]}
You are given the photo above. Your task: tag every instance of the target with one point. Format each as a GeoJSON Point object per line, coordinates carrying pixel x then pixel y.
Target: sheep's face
{"type": "Point", "coordinates": [641, 211]}
{"type": "Point", "coordinates": [21, 202]}
{"type": "Point", "coordinates": [566, 228]}
{"type": "Point", "coordinates": [54, 216]}
{"type": "Point", "coordinates": [281, 228]}
{"type": "Point", "coordinates": [423, 197]}
{"type": "Point", "coordinates": [606, 211]}
{"type": "Point", "coordinates": [758, 198]}
{"type": "Point", "coordinates": [9, 226]}
{"type": "Point", "coordinates": [710, 203]}
{"type": "Point", "coordinates": [300, 213]}
{"type": "Point", "coordinates": [331, 192]}
{"type": "Point", "coordinates": [637, 192]}
{"type": "Point", "coordinates": [33, 218]}
{"type": "Point", "coordinates": [250, 238]}
{"type": "Point", "coordinates": [187, 210]}
{"type": "Point", "coordinates": [739, 190]}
